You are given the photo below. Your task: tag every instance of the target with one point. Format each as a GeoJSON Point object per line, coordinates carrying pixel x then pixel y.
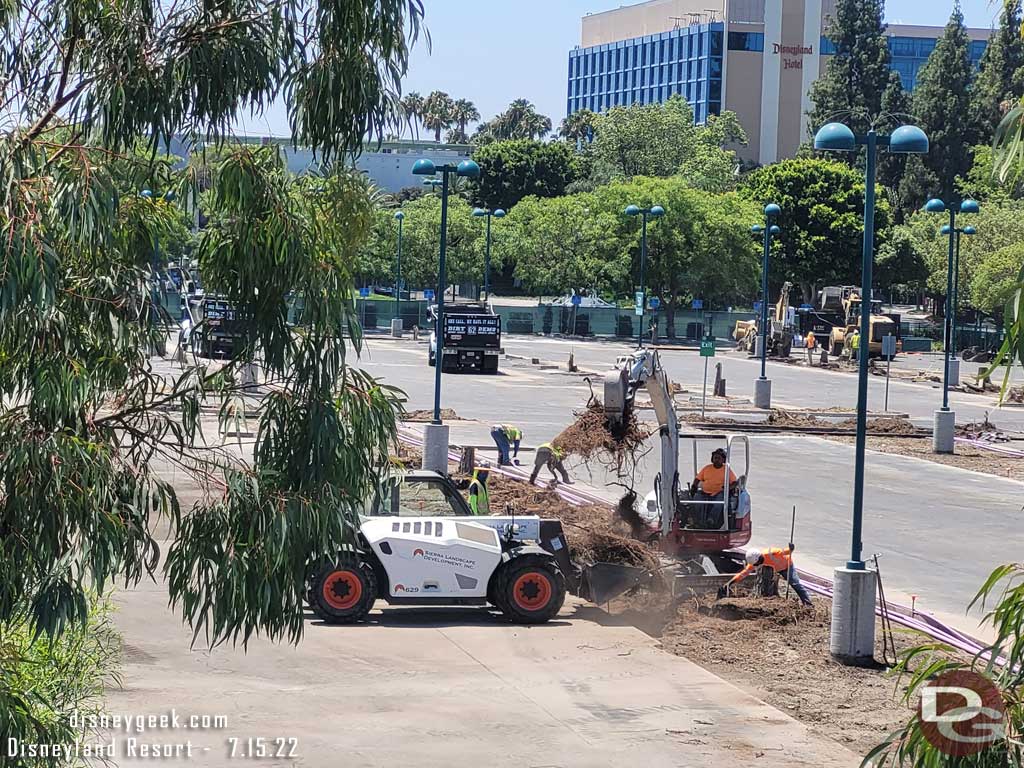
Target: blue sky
{"type": "Point", "coordinates": [494, 51]}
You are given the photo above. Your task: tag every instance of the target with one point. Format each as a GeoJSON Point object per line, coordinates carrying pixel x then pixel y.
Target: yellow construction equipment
{"type": "Point", "coordinates": [780, 336]}
{"type": "Point", "coordinates": [845, 300]}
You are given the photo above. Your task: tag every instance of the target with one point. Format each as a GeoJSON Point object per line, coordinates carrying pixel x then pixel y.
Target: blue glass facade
{"type": "Point", "coordinates": [910, 53]}
{"type": "Point", "coordinates": [688, 61]}
{"type": "Point", "coordinates": [648, 70]}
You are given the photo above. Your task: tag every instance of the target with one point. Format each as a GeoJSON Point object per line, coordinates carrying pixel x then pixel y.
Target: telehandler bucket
{"type": "Point", "coordinates": [603, 581]}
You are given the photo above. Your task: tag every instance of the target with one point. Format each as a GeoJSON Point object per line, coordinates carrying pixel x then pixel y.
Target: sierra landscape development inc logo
{"type": "Point", "coordinates": [962, 713]}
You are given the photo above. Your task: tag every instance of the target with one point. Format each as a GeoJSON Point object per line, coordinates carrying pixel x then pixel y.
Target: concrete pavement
{"type": "Point", "coordinates": [423, 687]}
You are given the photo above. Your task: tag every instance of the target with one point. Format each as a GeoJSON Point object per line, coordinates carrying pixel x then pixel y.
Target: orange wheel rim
{"type": "Point", "coordinates": [342, 590]}
{"type": "Point", "coordinates": [532, 591]}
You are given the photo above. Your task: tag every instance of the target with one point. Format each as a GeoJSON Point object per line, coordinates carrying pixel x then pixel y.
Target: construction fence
{"type": "Point", "coordinates": [549, 320]}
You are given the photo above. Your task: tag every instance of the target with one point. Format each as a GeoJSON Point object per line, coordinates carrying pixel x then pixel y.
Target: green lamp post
{"type": "Point", "coordinates": [763, 385]}
{"type": "Point", "coordinates": [497, 213]}
{"type": "Point", "coordinates": [435, 437]}
{"type": "Point", "coordinates": [853, 609]}
{"type": "Point", "coordinates": [653, 212]}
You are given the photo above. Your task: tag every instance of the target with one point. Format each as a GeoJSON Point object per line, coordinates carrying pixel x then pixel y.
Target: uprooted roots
{"type": "Point", "coordinates": [595, 533]}
{"type": "Point", "coordinates": [592, 438]}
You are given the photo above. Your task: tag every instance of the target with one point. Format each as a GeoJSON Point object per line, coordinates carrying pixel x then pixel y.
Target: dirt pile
{"type": "Point", "coordinates": [1015, 395]}
{"type": "Point", "coordinates": [592, 438]}
{"type": "Point", "coordinates": [427, 414]}
{"type": "Point", "coordinates": [595, 533]}
{"type": "Point", "coordinates": [883, 425]}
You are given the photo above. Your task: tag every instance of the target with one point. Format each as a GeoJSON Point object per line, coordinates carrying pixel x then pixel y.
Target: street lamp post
{"type": "Point", "coordinates": [496, 213]}
{"type": "Point", "coordinates": [435, 434]}
{"type": "Point", "coordinates": [763, 385]}
{"type": "Point", "coordinates": [944, 425]}
{"type": "Point", "coordinates": [853, 606]}
{"type": "Point", "coordinates": [653, 212]}
{"type": "Point", "coordinates": [396, 323]}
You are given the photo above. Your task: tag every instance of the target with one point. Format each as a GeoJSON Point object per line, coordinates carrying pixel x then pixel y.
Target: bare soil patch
{"type": "Point", "coordinates": [966, 456]}
{"type": "Point", "coordinates": [778, 650]}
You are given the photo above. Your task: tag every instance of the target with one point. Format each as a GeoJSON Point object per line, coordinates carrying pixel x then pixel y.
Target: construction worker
{"type": "Point", "coordinates": [711, 481]}
{"type": "Point", "coordinates": [478, 499]}
{"type": "Point", "coordinates": [811, 341]}
{"type": "Point", "coordinates": [551, 456]}
{"type": "Point", "coordinates": [854, 345]}
{"type": "Point", "coordinates": [780, 561]}
{"type": "Point", "coordinates": [507, 438]}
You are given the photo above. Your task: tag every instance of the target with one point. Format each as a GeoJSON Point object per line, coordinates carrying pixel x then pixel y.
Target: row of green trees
{"type": "Point", "coordinates": [439, 112]}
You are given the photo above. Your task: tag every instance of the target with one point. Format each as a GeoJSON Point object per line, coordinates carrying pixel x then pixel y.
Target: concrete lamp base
{"type": "Point", "coordinates": [396, 327]}
{"type": "Point", "coordinates": [943, 431]}
{"type": "Point", "coordinates": [762, 393]}
{"type": "Point", "coordinates": [435, 448]}
{"type": "Point", "coordinates": [853, 617]}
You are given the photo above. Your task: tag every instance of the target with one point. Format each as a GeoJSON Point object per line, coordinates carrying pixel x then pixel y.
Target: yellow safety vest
{"type": "Point", "coordinates": [478, 500]}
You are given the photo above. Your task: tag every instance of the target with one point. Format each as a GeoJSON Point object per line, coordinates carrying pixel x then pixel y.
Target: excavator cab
{"type": "Point", "coordinates": [700, 524]}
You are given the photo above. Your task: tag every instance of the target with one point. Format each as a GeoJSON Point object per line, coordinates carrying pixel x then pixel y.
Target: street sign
{"type": "Point", "coordinates": [576, 300]}
{"type": "Point", "coordinates": [888, 346]}
{"type": "Point", "coordinates": [697, 304]}
{"type": "Point", "coordinates": [639, 302]}
{"type": "Point", "coordinates": [757, 306]}
{"type": "Point", "coordinates": [364, 292]}
{"type": "Point", "coordinates": [655, 302]}
{"type": "Point", "coordinates": [428, 295]}
{"type": "Point", "coordinates": [707, 346]}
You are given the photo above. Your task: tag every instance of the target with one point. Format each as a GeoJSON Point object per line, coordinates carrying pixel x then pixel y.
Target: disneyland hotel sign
{"type": "Point", "coordinates": [792, 54]}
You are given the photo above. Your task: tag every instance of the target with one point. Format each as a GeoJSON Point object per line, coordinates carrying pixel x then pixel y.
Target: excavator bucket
{"type": "Point", "coordinates": [604, 581]}
{"type": "Point", "coordinates": [699, 584]}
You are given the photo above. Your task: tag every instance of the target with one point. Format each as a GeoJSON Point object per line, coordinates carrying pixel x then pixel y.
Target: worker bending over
{"type": "Point", "coordinates": [479, 501]}
{"type": "Point", "coordinates": [780, 561]}
{"type": "Point", "coordinates": [507, 438]}
{"type": "Point", "coordinates": [711, 481]}
{"type": "Point", "coordinates": [550, 456]}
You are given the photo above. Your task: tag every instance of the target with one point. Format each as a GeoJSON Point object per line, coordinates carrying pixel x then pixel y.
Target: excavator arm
{"type": "Point", "coordinates": [643, 369]}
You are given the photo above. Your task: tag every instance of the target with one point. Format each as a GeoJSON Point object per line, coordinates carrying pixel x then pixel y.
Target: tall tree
{"type": "Point", "coordinates": [1000, 78]}
{"type": "Point", "coordinates": [579, 126]}
{"type": "Point", "coordinates": [851, 87]}
{"type": "Point", "coordinates": [892, 167]}
{"type": "Point", "coordinates": [512, 170]}
{"type": "Point", "coordinates": [941, 105]}
{"type": "Point", "coordinates": [464, 112]}
{"type": "Point", "coordinates": [88, 426]}
{"type": "Point", "coordinates": [520, 121]}
{"type": "Point", "coordinates": [437, 113]}
{"type": "Point", "coordinates": [661, 140]}
{"type": "Point", "coordinates": [412, 108]}
{"type": "Point", "coordinates": [822, 205]}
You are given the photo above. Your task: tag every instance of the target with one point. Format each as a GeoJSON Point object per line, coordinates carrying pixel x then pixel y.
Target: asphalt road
{"type": "Point", "coordinates": [940, 530]}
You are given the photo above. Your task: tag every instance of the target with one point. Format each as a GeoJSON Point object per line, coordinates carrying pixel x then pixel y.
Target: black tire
{"type": "Point", "coordinates": [430, 359]}
{"type": "Point", "coordinates": [343, 592]}
{"type": "Point", "coordinates": [787, 348]}
{"type": "Point", "coordinates": [837, 349]}
{"type": "Point", "coordinates": [529, 589]}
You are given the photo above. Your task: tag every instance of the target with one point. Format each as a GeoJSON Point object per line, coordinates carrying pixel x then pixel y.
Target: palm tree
{"type": "Point", "coordinates": [464, 112]}
{"type": "Point", "coordinates": [437, 113]}
{"type": "Point", "coordinates": [522, 121]}
{"type": "Point", "coordinates": [412, 108]}
{"type": "Point", "coordinates": [578, 126]}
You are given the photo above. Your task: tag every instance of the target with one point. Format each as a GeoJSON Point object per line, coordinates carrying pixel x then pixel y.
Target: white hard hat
{"type": "Point", "coordinates": [752, 557]}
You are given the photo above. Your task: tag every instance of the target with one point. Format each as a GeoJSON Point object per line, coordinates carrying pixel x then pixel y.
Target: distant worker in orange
{"type": "Point", "coordinates": [780, 561]}
{"type": "Point", "coordinates": [711, 483]}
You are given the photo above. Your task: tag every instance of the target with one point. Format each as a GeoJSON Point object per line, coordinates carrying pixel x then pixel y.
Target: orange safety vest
{"type": "Point", "coordinates": [779, 560]}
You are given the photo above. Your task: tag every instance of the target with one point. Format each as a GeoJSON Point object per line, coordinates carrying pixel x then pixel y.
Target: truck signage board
{"type": "Point", "coordinates": [472, 330]}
